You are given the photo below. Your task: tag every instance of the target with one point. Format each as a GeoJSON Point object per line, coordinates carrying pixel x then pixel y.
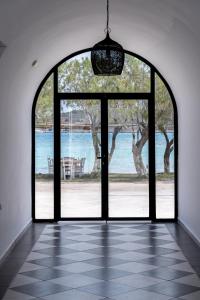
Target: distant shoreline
{"type": "Point", "coordinates": [88, 131]}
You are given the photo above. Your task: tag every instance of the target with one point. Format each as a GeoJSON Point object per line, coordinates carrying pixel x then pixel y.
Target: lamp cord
{"type": "Point", "coordinates": [108, 30]}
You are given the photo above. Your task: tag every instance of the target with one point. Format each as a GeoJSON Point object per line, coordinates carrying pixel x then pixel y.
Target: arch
{"type": "Point", "coordinates": [154, 72]}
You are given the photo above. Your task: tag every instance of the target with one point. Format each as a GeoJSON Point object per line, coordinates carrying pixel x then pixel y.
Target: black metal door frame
{"type": "Point", "coordinates": [152, 177]}
{"type": "Point", "coordinates": [104, 97]}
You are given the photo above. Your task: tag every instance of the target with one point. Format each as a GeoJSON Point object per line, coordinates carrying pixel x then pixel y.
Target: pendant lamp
{"type": "Point", "coordinates": [107, 56]}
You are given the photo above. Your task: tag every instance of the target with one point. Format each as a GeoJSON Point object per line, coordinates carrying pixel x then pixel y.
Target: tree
{"type": "Point", "coordinates": [44, 107]}
{"type": "Point", "coordinates": [76, 75]}
{"type": "Point", "coordinates": [91, 109]}
{"type": "Point", "coordinates": [137, 118]}
{"type": "Point", "coordinates": [164, 119]}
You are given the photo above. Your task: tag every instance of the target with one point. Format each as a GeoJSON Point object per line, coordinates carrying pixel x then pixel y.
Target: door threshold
{"type": "Point", "coordinates": [106, 222]}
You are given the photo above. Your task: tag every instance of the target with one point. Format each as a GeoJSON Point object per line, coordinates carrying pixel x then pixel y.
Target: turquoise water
{"type": "Point", "coordinates": [80, 145]}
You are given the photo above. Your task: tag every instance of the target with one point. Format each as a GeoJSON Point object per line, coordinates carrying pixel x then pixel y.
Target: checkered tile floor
{"type": "Point", "coordinates": [113, 261]}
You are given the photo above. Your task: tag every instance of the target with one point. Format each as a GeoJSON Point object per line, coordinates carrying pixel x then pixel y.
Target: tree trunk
{"type": "Point", "coordinates": [137, 152]}
{"type": "Point", "coordinates": [168, 150]}
{"type": "Point", "coordinates": [96, 144]}
{"type": "Point", "coordinates": [117, 129]}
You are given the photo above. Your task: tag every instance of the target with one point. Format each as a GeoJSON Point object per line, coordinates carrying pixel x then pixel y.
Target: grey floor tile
{"type": "Point", "coordinates": [185, 266]}
{"type": "Point", "coordinates": [13, 295]}
{"type": "Point", "coordinates": [154, 250]}
{"type": "Point", "coordinates": [137, 281]}
{"type": "Point", "coordinates": [75, 280]}
{"type": "Point", "coordinates": [105, 261]}
{"type": "Point", "coordinates": [55, 251]}
{"type": "Point", "coordinates": [106, 289]}
{"type": "Point", "coordinates": [81, 256]}
{"type": "Point", "coordinates": [40, 289]}
{"type": "Point", "coordinates": [107, 273]}
{"type": "Point", "coordinates": [141, 295]}
{"type": "Point", "coordinates": [193, 280]}
{"type": "Point", "coordinates": [73, 295]}
{"type": "Point", "coordinates": [92, 261]}
{"type": "Point", "coordinates": [106, 251]}
{"type": "Point", "coordinates": [46, 274]}
{"type": "Point", "coordinates": [134, 267]}
{"type": "Point", "coordinates": [82, 246]}
{"type": "Point", "coordinates": [131, 246]}
{"type": "Point", "coordinates": [192, 296]}
{"type": "Point", "coordinates": [29, 267]}
{"type": "Point", "coordinates": [21, 279]}
{"type": "Point", "coordinates": [165, 273]}
{"type": "Point", "coordinates": [172, 289]}
{"type": "Point", "coordinates": [52, 261]}
{"type": "Point", "coordinates": [78, 267]}
{"type": "Point", "coordinates": [132, 256]}
{"type": "Point", "coordinates": [161, 261]}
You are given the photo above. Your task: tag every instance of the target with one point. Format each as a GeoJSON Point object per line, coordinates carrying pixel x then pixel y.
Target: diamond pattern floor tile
{"type": "Point", "coordinates": [107, 273]}
{"type": "Point", "coordinates": [29, 267]}
{"type": "Point", "coordinates": [132, 256]}
{"type": "Point", "coordinates": [95, 261]}
{"type": "Point", "coordinates": [137, 281]}
{"type": "Point", "coordinates": [142, 295]}
{"type": "Point", "coordinates": [155, 250]}
{"type": "Point", "coordinates": [40, 289]}
{"type": "Point", "coordinates": [12, 295]}
{"type": "Point", "coordinates": [21, 279]}
{"type": "Point", "coordinates": [106, 289]}
{"type": "Point", "coordinates": [82, 246]}
{"type": "Point", "coordinates": [193, 280]}
{"type": "Point", "coordinates": [52, 261]}
{"type": "Point", "coordinates": [75, 280]}
{"type": "Point", "coordinates": [80, 257]}
{"type": "Point", "coordinates": [46, 274]}
{"type": "Point", "coordinates": [73, 295]}
{"type": "Point", "coordinates": [35, 255]}
{"type": "Point", "coordinates": [166, 273]}
{"type": "Point", "coordinates": [78, 267]}
{"type": "Point", "coordinates": [135, 267]}
{"type": "Point", "coordinates": [160, 261]}
{"type": "Point", "coordinates": [105, 261]}
{"type": "Point", "coordinates": [172, 289]}
{"type": "Point", "coordinates": [182, 267]}
{"type": "Point", "coordinates": [192, 296]}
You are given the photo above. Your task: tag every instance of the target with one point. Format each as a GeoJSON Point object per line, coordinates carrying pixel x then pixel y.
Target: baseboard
{"type": "Point", "coordinates": [189, 232]}
{"type": "Point", "coordinates": [14, 242]}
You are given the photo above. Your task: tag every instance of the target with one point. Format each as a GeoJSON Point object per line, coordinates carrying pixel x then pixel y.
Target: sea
{"type": "Point", "coordinates": [79, 145]}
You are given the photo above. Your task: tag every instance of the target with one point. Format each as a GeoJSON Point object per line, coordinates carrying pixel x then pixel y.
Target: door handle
{"type": "Point", "coordinates": [99, 157]}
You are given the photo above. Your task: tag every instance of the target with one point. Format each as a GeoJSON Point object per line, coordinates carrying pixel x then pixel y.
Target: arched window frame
{"type": "Point", "coordinates": [153, 72]}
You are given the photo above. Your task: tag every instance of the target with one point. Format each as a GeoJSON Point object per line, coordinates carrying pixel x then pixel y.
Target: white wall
{"type": "Point", "coordinates": [164, 32]}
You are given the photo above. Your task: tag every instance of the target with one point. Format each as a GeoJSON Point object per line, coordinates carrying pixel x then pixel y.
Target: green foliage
{"type": "Point", "coordinates": [44, 107]}
{"type": "Point", "coordinates": [76, 75]}
{"type": "Point", "coordinates": [163, 107]}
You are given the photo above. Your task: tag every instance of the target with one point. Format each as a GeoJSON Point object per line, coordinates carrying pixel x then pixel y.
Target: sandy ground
{"type": "Point", "coordinates": [83, 199]}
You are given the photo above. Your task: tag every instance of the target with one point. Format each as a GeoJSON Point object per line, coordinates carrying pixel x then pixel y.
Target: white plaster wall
{"type": "Point", "coordinates": [165, 32]}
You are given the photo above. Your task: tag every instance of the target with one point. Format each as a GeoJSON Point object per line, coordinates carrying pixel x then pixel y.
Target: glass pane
{"type": "Point", "coordinates": [44, 169]}
{"type": "Point", "coordinates": [80, 166]}
{"type": "Point", "coordinates": [164, 152]}
{"type": "Point", "coordinates": [128, 158]}
{"type": "Point", "coordinates": [76, 75]}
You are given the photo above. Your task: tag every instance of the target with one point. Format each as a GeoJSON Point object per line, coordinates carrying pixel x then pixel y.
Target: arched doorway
{"type": "Point", "coordinates": [104, 147]}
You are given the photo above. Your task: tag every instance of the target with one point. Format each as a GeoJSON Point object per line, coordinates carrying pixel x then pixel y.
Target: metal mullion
{"type": "Point", "coordinates": [104, 155]}
{"type": "Point", "coordinates": [152, 166]}
{"type": "Point", "coordinates": [57, 192]}
{"type": "Point", "coordinates": [138, 96]}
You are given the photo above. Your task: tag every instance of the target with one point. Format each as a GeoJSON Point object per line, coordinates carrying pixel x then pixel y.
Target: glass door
{"type": "Point", "coordinates": [128, 158]}
{"type": "Point", "coordinates": [104, 159]}
{"type": "Point", "coordinates": [80, 158]}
